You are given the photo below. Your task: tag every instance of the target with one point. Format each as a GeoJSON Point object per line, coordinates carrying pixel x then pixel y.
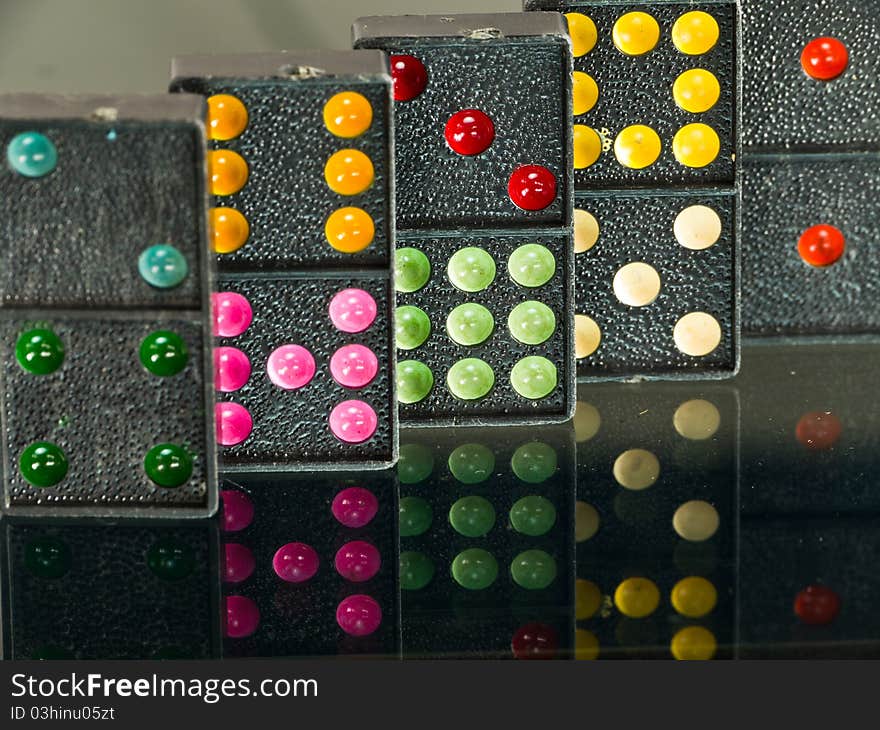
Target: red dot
{"type": "Point", "coordinates": [470, 132]}
{"type": "Point", "coordinates": [535, 641]}
{"type": "Point", "coordinates": [816, 605]}
{"type": "Point", "coordinates": [821, 245]}
{"type": "Point", "coordinates": [532, 187]}
{"type": "Point", "coordinates": [818, 430]}
{"type": "Point", "coordinates": [408, 77]}
{"type": "Point", "coordinates": [824, 58]}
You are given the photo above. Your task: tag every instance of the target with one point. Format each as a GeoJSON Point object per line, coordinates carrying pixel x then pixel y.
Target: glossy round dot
{"type": "Point", "coordinates": [587, 421]}
{"type": "Point", "coordinates": [637, 147]}
{"type": "Point", "coordinates": [163, 353]}
{"type": "Point", "coordinates": [636, 284]}
{"type": "Point", "coordinates": [696, 420]}
{"type": "Point", "coordinates": [471, 463]}
{"type": "Point", "coordinates": [534, 377]}
{"type": "Point", "coordinates": [354, 507]}
{"type": "Point", "coordinates": [47, 557]}
{"type": "Point", "coordinates": [469, 132]}
{"type": "Point", "coordinates": [415, 516]}
{"type": "Point", "coordinates": [411, 270]}
{"type": "Point", "coordinates": [817, 605]}
{"type": "Point", "coordinates": [693, 643]}
{"type": "Point", "coordinates": [416, 463]}
{"type": "Point", "coordinates": [39, 351]}
{"type": "Point", "coordinates": [532, 323]}
{"type": "Point", "coordinates": [169, 560]}
{"type": "Point", "coordinates": [697, 227]}
{"type": "Point", "coordinates": [821, 245]}
{"type": "Point", "coordinates": [353, 421]}
{"type": "Point", "coordinates": [533, 570]}
{"type": "Point", "coordinates": [227, 171]}
{"type": "Point", "coordinates": [409, 77]}
{"type": "Point", "coordinates": [533, 515]}
{"type": "Point", "coordinates": [349, 172]}
{"type": "Point", "coordinates": [168, 465]}
{"type": "Point", "coordinates": [637, 597]}
{"type": "Point", "coordinates": [695, 33]}
{"type": "Point", "coordinates": [227, 117]}
{"type": "Point", "coordinates": [587, 146]}
{"type": "Point", "coordinates": [471, 269]}
{"type": "Point", "coordinates": [696, 90]}
{"type": "Point", "coordinates": [295, 562]}
{"type": "Point", "coordinates": [824, 59]}
{"type": "Point", "coordinates": [357, 561]}
{"type": "Point", "coordinates": [416, 570]}
{"type": "Point", "coordinates": [474, 569]}
{"type": "Point", "coordinates": [587, 336]}
{"type": "Point", "coordinates": [585, 92]}
{"type": "Point", "coordinates": [697, 334]}
{"type": "Point", "coordinates": [535, 641]}
{"type": "Point", "coordinates": [348, 114]}
{"type": "Point", "coordinates": [635, 33]}
{"type": "Point", "coordinates": [586, 521]}
{"type": "Point", "coordinates": [636, 469]}
{"type": "Point", "coordinates": [349, 230]}
{"type": "Point", "coordinates": [31, 154]}
{"type": "Point", "coordinates": [696, 145]}
{"type": "Point", "coordinates": [232, 314]}
{"type": "Point", "coordinates": [695, 521]}
{"type": "Point", "coordinates": [43, 464]}
{"type": "Point", "coordinates": [694, 597]}
{"type": "Point", "coordinates": [229, 230]}
{"type": "Point", "coordinates": [354, 366]}
{"type": "Point", "coordinates": [291, 367]}
{"type": "Point", "coordinates": [242, 617]}
{"type": "Point", "coordinates": [414, 381]}
{"type": "Point", "coordinates": [586, 230]}
{"type": "Point", "coordinates": [238, 563]}
{"type": "Point", "coordinates": [231, 369]}
{"type": "Point", "coordinates": [412, 327]}
{"type": "Point", "coordinates": [470, 379]}
{"type": "Point", "coordinates": [470, 324]}
{"type": "Point", "coordinates": [233, 423]}
{"type": "Point", "coordinates": [818, 430]}
{"type": "Point", "coordinates": [532, 187]}
{"type": "Point", "coordinates": [531, 265]}
{"type": "Point", "coordinates": [237, 510]}
{"type": "Point", "coordinates": [586, 645]}
{"type": "Point", "coordinates": [353, 310]}
{"type": "Point", "coordinates": [359, 615]}
{"type": "Point", "coordinates": [472, 516]}
{"type": "Point", "coordinates": [162, 266]}
{"type": "Point", "coordinates": [583, 33]}
{"type": "Point", "coordinates": [534, 462]}
{"type": "Point", "coordinates": [587, 599]}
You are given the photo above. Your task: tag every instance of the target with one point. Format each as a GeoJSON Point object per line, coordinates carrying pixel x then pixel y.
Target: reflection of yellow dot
{"type": "Point", "coordinates": [696, 145]}
{"type": "Point", "coordinates": [636, 284]}
{"type": "Point", "coordinates": [697, 227]}
{"type": "Point", "coordinates": [586, 231]}
{"type": "Point", "coordinates": [696, 521]}
{"type": "Point", "coordinates": [586, 645]}
{"type": "Point", "coordinates": [587, 146]}
{"type": "Point", "coordinates": [348, 114]}
{"type": "Point", "coordinates": [636, 469]}
{"type": "Point", "coordinates": [587, 336]}
{"type": "Point", "coordinates": [229, 228]}
{"type": "Point", "coordinates": [349, 172]}
{"type": "Point", "coordinates": [227, 117]}
{"type": "Point", "coordinates": [695, 33]}
{"type": "Point", "coordinates": [228, 172]}
{"type": "Point", "coordinates": [694, 597]}
{"type": "Point", "coordinates": [350, 230]}
{"type": "Point", "coordinates": [585, 91]}
{"type": "Point", "coordinates": [697, 334]}
{"type": "Point", "coordinates": [635, 33]}
{"type": "Point", "coordinates": [637, 147]}
{"type": "Point", "coordinates": [696, 90]}
{"type": "Point", "coordinates": [587, 421]}
{"type": "Point", "coordinates": [587, 599]}
{"type": "Point", "coordinates": [697, 420]}
{"type": "Point", "coordinates": [637, 597]}
{"type": "Point", "coordinates": [583, 33]}
{"type": "Point", "coordinates": [586, 521]}
{"type": "Point", "coordinates": [694, 643]}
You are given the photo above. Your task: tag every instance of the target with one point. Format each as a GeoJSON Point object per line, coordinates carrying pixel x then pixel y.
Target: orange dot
{"type": "Point", "coordinates": [228, 172]}
{"type": "Point", "coordinates": [350, 230]}
{"type": "Point", "coordinates": [230, 229]}
{"type": "Point", "coordinates": [348, 114]}
{"type": "Point", "coordinates": [227, 117]}
{"type": "Point", "coordinates": [349, 172]}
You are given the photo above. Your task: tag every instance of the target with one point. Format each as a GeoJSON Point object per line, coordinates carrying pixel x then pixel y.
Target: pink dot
{"type": "Point", "coordinates": [238, 510]}
{"type": "Point", "coordinates": [231, 369]}
{"type": "Point", "coordinates": [353, 421]}
{"type": "Point", "coordinates": [238, 562]}
{"type": "Point", "coordinates": [358, 615]}
{"type": "Point", "coordinates": [357, 561]}
{"type": "Point", "coordinates": [233, 423]}
{"type": "Point", "coordinates": [242, 617]}
{"type": "Point", "coordinates": [295, 562]}
{"type": "Point", "coordinates": [354, 366]}
{"type": "Point", "coordinates": [352, 310]}
{"type": "Point", "coordinates": [232, 314]}
{"type": "Point", "coordinates": [355, 507]}
{"type": "Point", "coordinates": [291, 367]}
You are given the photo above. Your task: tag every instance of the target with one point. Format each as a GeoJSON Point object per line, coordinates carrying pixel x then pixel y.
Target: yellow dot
{"type": "Point", "coordinates": [637, 597]}
{"type": "Point", "coordinates": [228, 172]}
{"type": "Point", "coordinates": [587, 421]}
{"type": "Point", "coordinates": [697, 334]}
{"type": "Point", "coordinates": [586, 231]}
{"type": "Point", "coordinates": [697, 227]}
{"type": "Point", "coordinates": [586, 92]}
{"type": "Point", "coordinates": [348, 114]}
{"type": "Point", "coordinates": [586, 521]}
{"type": "Point", "coordinates": [637, 147]}
{"type": "Point", "coordinates": [587, 336]}
{"type": "Point", "coordinates": [635, 33]}
{"type": "Point", "coordinates": [350, 230]}
{"type": "Point", "coordinates": [694, 597]}
{"type": "Point", "coordinates": [586, 645]}
{"type": "Point", "coordinates": [587, 599]}
{"type": "Point", "coordinates": [636, 284]}
{"type": "Point", "coordinates": [696, 521]}
{"type": "Point", "coordinates": [587, 146]}
{"type": "Point", "coordinates": [227, 117]}
{"type": "Point", "coordinates": [696, 145]}
{"type": "Point", "coordinates": [230, 229]}
{"type": "Point", "coordinates": [694, 643]}
{"type": "Point", "coordinates": [695, 33]}
{"type": "Point", "coordinates": [349, 172]}
{"type": "Point", "coordinates": [696, 90]}
{"type": "Point", "coordinates": [583, 33]}
{"type": "Point", "coordinates": [636, 469]}
{"type": "Point", "coordinates": [697, 420]}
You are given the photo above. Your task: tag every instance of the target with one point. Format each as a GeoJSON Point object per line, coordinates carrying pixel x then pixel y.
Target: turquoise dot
{"type": "Point", "coordinates": [532, 323]}
{"type": "Point", "coordinates": [32, 154]}
{"type": "Point", "coordinates": [532, 265]}
{"type": "Point", "coordinates": [534, 377]}
{"type": "Point", "coordinates": [162, 266]}
{"type": "Point", "coordinates": [470, 324]}
{"type": "Point", "coordinates": [471, 269]}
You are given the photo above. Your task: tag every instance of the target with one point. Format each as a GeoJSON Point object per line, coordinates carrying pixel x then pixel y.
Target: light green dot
{"type": "Point", "coordinates": [471, 269]}
{"type": "Point", "coordinates": [532, 265]}
{"type": "Point", "coordinates": [416, 570]}
{"type": "Point", "coordinates": [533, 515]}
{"type": "Point", "coordinates": [470, 324]}
{"type": "Point", "coordinates": [533, 377]}
{"type": "Point", "coordinates": [411, 270]}
{"type": "Point", "coordinates": [474, 569]}
{"type": "Point", "coordinates": [415, 516]}
{"type": "Point", "coordinates": [413, 327]}
{"type": "Point", "coordinates": [414, 381]}
{"type": "Point", "coordinates": [532, 323]}
{"type": "Point", "coordinates": [472, 516]}
{"type": "Point", "coordinates": [415, 464]}
{"type": "Point", "coordinates": [471, 463]}
{"type": "Point", "coordinates": [533, 570]}
{"type": "Point", "coordinates": [534, 462]}
{"type": "Point", "coordinates": [470, 379]}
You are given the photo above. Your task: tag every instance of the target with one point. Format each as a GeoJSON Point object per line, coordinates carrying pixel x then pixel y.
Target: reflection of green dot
{"type": "Point", "coordinates": [532, 323]}
{"type": "Point", "coordinates": [51, 653]}
{"type": "Point", "coordinates": [532, 265]}
{"type": "Point", "coordinates": [47, 557]}
{"type": "Point", "coordinates": [533, 377]}
{"type": "Point", "coordinates": [533, 570]}
{"type": "Point", "coordinates": [533, 515]}
{"type": "Point", "coordinates": [534, 462]}
{"type": "Point", "coordinates": [173, 653]}
{"type": "Point", "coordinates": [163, 353]}
{"type": "Point", "coordinates": [472, 463]}
{"type": "Point", "coordinates": [416, 571]}
{"type": "Point", "coordinates": [471, 269]}
{"type": "Point", "coordinates": [39, 351]}
{"type": "Point", "coordinates": [470, 379]}
{"type": "Point", "coordinates": [472, 516]}
{"type": "Point", "coordinates": [415, 464]}
{"type": "Point", "coordinates": [413, 327]}
{"type": "Point", "coordinates": [474, 569]}
{"type": "Point", "coordinates": [414, 381]}
{"type": "Point", "coordinates": [43, 464]}
{"type": "Point", "coordinates": [470, 324]}
{"type": "Point", "coordinates": [168, 465]}
{"type": "Point", "coordinates": [415, 516]}
{"type": "Point", "coordinates": [411, 270]}
{"type": "Point", "coordinates": [170, 561]}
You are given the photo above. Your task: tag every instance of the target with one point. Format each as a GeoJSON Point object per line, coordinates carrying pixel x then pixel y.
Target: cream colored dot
{"type": "Point", "coordinates": [697, 227]}
{"type": "Point", "coordinates": [637, 284]}
{"type": "Point", "coordinates": [587, 421]}
{"type": "Point", "coordinates": [697, 420]}
{"type": "Point", "coordinates": [697, 334]}
{"type": "Point", "coordinates": [587, 336]}
{"type": "Point", "coordinates": [695, 521]}
{"type": "Point", "coordinates": [636, 469]}
{"type": "Point", "coordinates": [586, 231]}
{"type": "Point", "coordinates": [586, 521]}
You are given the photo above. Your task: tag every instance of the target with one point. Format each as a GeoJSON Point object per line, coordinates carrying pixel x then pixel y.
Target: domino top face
{"type": "Point", "coordinates": [472, 152]}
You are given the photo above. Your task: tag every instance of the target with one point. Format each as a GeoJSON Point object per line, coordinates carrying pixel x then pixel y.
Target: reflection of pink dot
{"type": "Point", "coordinates": [291, 367]}
{"type": "Point", "coordinates": [358, 615]}
{"type": "Point", "coordinates": [353, 421]}
{"type": "Point", "coordinates": [295, 562]}
{"type": "Point", "coordinates": [232, 314]}
{"type": "Point", "coordinates": [352, 310]}
{"type": "Point", "coordinates": [354, 366]}
{"type": "Point", "coordinates": [242, 617]}
{"type": "Point", "coordinates": [238, 562]}
{"type": "Point", "coordinates": [355, 507]}
{"type": "Point", "coordinates": [357, 561]}
{"type": "Point", "coordinates": [231, 369]}
{"type": "Point", "coordinates": [233, 423]}
{"type": "Point", "coordinates": [238, 510]}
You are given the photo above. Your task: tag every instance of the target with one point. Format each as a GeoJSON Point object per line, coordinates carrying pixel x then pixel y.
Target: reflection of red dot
{"type": "Point", "coordinates": [817, 605]}
{"type": "Point", "coordinates": [821, 245]}
{"type": "Point", "coordinates": [532, 187]}
{"type": "Point", "coordinates": [818, 430]}
{"type": "Point", "coordinates": [824, 58]}
{"type": "Point", "coordinates": [408, 76]}
{"type": "Point", "coordinates": [470, 132]}
{"type": "Point", "coordinates": [535, 641]}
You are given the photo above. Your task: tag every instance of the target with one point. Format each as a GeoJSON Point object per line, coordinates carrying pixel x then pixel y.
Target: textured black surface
{"type": "Point", "coordinates": [638, 341]}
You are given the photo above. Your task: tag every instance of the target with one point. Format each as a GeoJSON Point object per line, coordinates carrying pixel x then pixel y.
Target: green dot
{"type": "Point", "coordinates": [413, 327]}
{"type": "Point", "coordinates": [411, 270]}
{"type": "Point", "coordinates": [43, 464]}
{"type": "Point", "coordinates": [533, 515]}
{"type": "Point", "coordinates": [531, 265]}
{"type": "Point", "coordinates": [163, 353]}
{"type": "Point", "coordinates": [416, 571]}
{"type": "Point", "coordinates": [414, 381]}
{"type": "Point", "coordinates": [471, 269]}
{"type": "Point", "coordinates": [474, 569]}
{"type": "Point", "coordinates": [47, 557]}
{"type": "Point", "coordinates": [533, 570]}
{"type": "Point", "coordinates": [39, 351]}
{"type": "Point", "coordinates": [168, 465]}
{"type": "Point", "coordinates": [415, 516]}
{"type": "Point", "coordinates": [470, 324]}
{"type": "Point", "coordinates": [170, 561]}
{"type": "Point", "coordinates": [534, 462]}
{"type": "Point", "coordinates": [533, 377]}
{"type": "Point", "coordinates": [472, 516]}
{"type": "Point", "coordinates": [472, 463]}
{"type": "Point", "coordinates": [470, 379]}
{"type": "Point", "coordinates": [415, 464]}
{"type": "Point", "coordinates": [532, 323]}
